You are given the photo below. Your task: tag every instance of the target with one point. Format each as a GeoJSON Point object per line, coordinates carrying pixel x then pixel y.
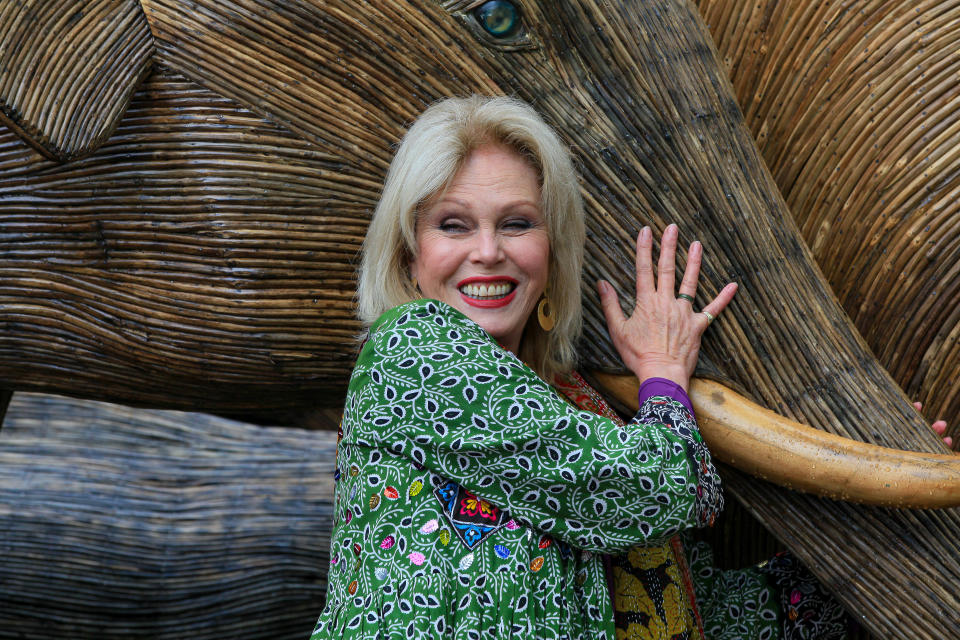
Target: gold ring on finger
{"type": "Point", "coordinates": [709, 315]}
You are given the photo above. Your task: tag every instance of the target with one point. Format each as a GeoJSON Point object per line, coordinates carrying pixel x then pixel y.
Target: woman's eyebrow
{"type": "Point", "coordinates": [457, 201]}
{"type": "Point", "coordinates": [523, 203]}
{"type": "Point", "coordinates": [509, 206]}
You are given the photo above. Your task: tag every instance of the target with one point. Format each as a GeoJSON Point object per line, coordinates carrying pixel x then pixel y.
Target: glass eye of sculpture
{"type": "Point", "coordinates": [499, 18]}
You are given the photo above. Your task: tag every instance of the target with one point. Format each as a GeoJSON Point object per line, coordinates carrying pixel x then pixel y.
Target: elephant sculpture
{"type": "Point", "coordinates": [185, 185]}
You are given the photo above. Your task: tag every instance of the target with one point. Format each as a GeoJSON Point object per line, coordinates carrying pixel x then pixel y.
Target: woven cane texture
{"type": "Point", "coordinates": [122, 523]}
{"type": "Point", "coordinates": [201, 258]}
{"type": "Point", "coordinates": [69, 70]}
{"type": "Point", "coordinates": [854, 107]}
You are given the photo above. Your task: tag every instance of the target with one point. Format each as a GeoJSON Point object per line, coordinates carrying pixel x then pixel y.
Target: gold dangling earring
{"type": "Point", "coordinates": [416, 287]}
{"type": "Point", "coordinates": [545, 312]}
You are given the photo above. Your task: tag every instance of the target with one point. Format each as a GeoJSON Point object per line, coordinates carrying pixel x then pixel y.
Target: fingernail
{"type": "Point", "coordinates": [602, 286]}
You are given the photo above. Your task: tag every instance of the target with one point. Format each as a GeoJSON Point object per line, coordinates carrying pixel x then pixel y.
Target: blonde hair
{"type": "Point", "coordinates": [429, 156]}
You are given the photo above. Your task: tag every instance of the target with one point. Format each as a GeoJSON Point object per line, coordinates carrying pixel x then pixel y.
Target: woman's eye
{"type": "Point", "coordinates": [499, 18]}
{"type": "Point", "coordinates": [451, 226]}
{"type": "Point", "coordinates": [518, 224]}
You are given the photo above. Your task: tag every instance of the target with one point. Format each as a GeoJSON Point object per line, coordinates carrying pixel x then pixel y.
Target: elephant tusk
{"type": "Point", "coordinates": [767, 445]}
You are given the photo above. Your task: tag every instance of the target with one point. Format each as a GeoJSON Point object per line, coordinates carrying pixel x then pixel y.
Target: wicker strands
{"type": "Point", "coordinates": [16, 158]}
{"type": "Point", "coordinates": [219, 246]}
{"type": "Point", "coordinates": [69, 70]}
{"type": "Point", "coordinates": [5, 396]}
{"type": "Point", "coordinates": [854, 107]}
{"type": "Point", "coordinates": [119, 523]}
{"type": "Point", "coordinates": [344, 76]}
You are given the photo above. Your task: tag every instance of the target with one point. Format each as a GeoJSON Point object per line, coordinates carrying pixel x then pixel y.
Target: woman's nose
{"type": "Point", "coordinates": [488, 249]}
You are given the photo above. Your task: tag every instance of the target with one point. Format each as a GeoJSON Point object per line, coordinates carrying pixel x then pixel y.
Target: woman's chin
{"type": "Point", "coordinates": [504, 330]}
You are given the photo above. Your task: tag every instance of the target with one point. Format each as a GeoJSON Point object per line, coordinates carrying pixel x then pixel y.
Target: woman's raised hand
{"type": "Point", "coordinates": [661, 338]}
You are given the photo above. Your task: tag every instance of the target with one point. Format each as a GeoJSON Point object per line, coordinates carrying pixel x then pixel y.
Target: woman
{"type": "Point", "coordinates": [472, 499]}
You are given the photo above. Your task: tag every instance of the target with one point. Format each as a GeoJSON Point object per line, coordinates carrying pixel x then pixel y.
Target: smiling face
{"type": "Point", "coordinates": [483, 246]}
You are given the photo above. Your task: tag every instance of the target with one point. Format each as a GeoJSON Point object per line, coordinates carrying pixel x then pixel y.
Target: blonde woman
{"type": "Point", "coordinates": [482, 485]}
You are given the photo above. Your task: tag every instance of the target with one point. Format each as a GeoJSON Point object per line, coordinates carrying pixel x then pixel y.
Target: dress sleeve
{"type": "Point", "coordinates": [663, 387]}
{"type": "Point", "coordinates": [432, 386]}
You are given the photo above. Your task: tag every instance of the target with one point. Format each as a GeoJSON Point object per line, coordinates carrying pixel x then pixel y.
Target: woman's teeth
{"type": "Point", "coordinates": [487, 291]}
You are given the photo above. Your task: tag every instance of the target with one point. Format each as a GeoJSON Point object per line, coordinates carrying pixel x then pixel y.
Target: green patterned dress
{"type": "Point", "coordinates": [472, 501]}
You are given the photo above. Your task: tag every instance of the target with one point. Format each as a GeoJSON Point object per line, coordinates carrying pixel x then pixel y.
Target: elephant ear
{"type": "Point", "coordinates": [69, 69]}
{"type": "Point", "coordinates": [855, 114]}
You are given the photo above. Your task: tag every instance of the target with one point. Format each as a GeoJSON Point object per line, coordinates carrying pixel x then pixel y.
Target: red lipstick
{"type": "Point", "coordinates": [487, 304]}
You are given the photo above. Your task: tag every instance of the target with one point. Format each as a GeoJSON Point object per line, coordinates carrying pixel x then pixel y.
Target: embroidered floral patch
{"type": "Point", "coordinates": [473, 518]}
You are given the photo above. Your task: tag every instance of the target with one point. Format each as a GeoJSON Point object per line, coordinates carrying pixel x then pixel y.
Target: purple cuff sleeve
{"type": "Point", "coordinates": [663, 387]}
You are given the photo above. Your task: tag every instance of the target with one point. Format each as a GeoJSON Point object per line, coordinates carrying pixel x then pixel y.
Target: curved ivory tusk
{"type": "Point", "coordinates": [767, 445]}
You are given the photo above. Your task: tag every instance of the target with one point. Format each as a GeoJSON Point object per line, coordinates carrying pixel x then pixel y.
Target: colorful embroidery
{"type": "Point", "coordinates": [473, 519]}
{"type": "Point", "coordinates": [415, 489]}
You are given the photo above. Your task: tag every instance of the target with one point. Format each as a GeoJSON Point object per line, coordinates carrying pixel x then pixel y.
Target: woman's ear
{"type": "Point", "coordinates": [413, 268]}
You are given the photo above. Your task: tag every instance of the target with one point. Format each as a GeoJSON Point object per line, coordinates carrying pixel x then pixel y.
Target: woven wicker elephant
{"type": "Point", "coordinates": [185, 186]}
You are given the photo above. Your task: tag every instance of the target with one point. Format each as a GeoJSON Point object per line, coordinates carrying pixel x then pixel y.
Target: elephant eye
{"type": "Point", "coordinates": [497, 23]}
{"type": "Point", "coordinates": [499, 18]}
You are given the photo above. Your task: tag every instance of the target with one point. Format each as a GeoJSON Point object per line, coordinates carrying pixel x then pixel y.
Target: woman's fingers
{"type": "Point", "coordinates": [667, 265]}
{"type": "Point", "coordinates": [940, 426]}
{"type": "Point", "coordinates": [663, 283]}
{"type": "Point", "coordinates": [661, 336]}
{"type": "Point", "coordinates": [665, 278]}
{"type": "Point", "coordinates": [644, 263]}
{"type": "Point", "coordinates": [720, 303]}
{"type": "Point", "coordinates": [691, 274]}
{"type": "Point", "coordinates": [610, 303]}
